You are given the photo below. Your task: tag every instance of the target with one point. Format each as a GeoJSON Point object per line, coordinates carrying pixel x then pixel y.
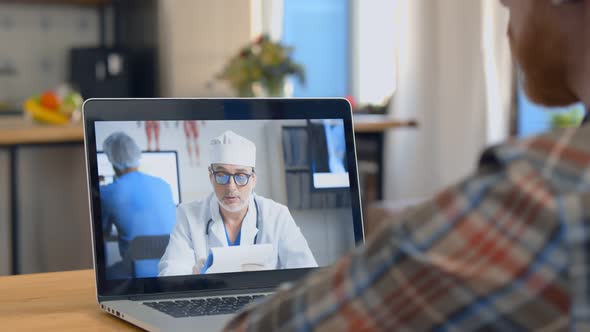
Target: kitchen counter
{"type": "Point", "coordinates": [16, 130]}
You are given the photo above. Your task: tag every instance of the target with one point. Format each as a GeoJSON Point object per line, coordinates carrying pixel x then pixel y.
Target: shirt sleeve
{"type": "Point", "coordinates": [428, 267]}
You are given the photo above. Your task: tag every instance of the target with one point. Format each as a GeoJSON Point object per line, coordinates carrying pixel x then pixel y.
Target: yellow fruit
{"type": "Point", "coordinates": [44, 115]}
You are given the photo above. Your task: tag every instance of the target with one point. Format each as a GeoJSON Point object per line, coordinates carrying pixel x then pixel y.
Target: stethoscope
{"type": "Point", "coordinates": [257, 224]}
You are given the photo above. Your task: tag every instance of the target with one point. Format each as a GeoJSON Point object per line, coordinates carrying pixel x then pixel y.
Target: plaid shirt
{"type": "Point", "coordinates": [507, 249]}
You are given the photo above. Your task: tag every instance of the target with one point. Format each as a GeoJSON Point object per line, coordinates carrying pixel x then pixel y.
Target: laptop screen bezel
{"type": "Point", "coordinates": [206, 109]}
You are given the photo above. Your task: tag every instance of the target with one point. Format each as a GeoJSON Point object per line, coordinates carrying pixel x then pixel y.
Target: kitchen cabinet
{"type": "Point", "coordinates": [44, 213]}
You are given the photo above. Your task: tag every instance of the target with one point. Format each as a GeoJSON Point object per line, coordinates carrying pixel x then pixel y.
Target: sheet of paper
{"type": "Point", "coordinates": [242, 258]}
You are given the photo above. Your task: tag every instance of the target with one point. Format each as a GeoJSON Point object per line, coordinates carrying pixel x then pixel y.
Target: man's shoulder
{"type": "Point", "coordinates": [553, 143]}
{"type": "Point", "coordinates": [107, 188]}
{"type": "Point", "coordinates": [563, 155]}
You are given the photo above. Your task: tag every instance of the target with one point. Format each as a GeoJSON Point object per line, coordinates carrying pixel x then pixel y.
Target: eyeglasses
{"type": "Point", "coordinates": [240, 179]}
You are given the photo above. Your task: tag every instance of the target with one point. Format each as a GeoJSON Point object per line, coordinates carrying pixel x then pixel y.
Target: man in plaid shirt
{"type": "Point", "coordinates": [507, 249]}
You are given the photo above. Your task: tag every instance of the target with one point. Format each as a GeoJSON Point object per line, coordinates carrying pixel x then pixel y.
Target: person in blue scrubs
{"type": "Point", "coordinates": [137, 204]}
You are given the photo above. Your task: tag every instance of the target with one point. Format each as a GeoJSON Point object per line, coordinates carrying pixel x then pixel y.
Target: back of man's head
{"type": "Point", "coordinates": [548, 39]}
{"type": "Point", "coordinates": [122, 151]}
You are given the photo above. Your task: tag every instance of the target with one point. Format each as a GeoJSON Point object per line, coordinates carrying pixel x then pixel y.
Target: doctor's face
{"type": "Point", "coordinates": [232, 196]}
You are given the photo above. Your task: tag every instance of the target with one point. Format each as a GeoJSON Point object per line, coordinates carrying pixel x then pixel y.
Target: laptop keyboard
{"type": "Point", "coordinates": [202, 307]}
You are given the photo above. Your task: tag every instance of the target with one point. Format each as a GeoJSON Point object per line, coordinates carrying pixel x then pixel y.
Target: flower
{"type": "Point", "coordinates": [261, 62]}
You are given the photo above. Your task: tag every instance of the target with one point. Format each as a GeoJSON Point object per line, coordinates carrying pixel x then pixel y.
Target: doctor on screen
{"type": "Point", "coordinates": [233, 215]}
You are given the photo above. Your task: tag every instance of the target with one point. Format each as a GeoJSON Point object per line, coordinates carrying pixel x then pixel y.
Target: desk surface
{"type": "Point", "coordinates": [16, 130]}
{"type": "Point", "coordinates": [61, 301]}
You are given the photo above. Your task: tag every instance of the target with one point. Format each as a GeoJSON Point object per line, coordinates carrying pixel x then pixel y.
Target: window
{"type": "Point", "coordinates": [320, 33]}
{"type": "Point", "coordinates": [348, 47]}
{"type": "Point", "coordinates": [534, 119]}
{"type": "Point", "coordinates": [374, 52]}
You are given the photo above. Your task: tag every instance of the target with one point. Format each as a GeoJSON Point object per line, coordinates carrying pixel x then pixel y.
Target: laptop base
{"type": "Point", "coordinates": [138, 314]}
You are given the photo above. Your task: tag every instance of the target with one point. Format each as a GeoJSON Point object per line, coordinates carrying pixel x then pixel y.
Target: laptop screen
{"type": "Point", "coordinates": [192, 197]}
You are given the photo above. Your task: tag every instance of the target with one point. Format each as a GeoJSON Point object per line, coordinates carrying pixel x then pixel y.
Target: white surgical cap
{"type": "Point", "coordinates": [233, 149]}
{"type": "Point", "coordinates": [122, 151]}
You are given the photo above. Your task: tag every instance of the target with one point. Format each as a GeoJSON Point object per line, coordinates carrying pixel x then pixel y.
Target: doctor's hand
{"type": "Point", "coordinates": [199, 266]}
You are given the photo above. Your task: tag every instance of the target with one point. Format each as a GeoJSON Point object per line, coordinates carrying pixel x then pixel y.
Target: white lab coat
{"type": "Point", "coordinates": [188, 243]}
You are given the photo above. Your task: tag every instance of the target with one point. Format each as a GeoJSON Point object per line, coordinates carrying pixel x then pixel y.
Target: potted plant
{"type": "Point", "coordinates": [262, 65]}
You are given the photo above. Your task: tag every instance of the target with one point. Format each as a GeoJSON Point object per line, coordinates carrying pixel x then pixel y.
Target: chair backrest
{"type": "Point", "coordinates": [144, 254]}
{"type": "Point", "coordinates": [148, 247]}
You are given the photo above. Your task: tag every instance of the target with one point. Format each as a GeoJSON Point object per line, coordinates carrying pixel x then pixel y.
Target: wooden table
{"type": "Point", "coordinates": [61, 301]}
{"type": "Point", "coordinates": [16, 131]}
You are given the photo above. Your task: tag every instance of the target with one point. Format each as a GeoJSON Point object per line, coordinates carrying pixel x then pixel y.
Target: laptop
{"type": "Point", "coordinates": [161, 258]}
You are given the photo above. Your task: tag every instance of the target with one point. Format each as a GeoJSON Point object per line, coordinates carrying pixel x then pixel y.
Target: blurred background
{"type": "Point", "coordinates": [431, 83]}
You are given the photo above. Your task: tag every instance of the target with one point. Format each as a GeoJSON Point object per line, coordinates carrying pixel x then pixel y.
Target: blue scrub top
{"type": "Point", "coordinates": [209, 260]}
{"type": "Point", "coordinates": [137, 204]}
